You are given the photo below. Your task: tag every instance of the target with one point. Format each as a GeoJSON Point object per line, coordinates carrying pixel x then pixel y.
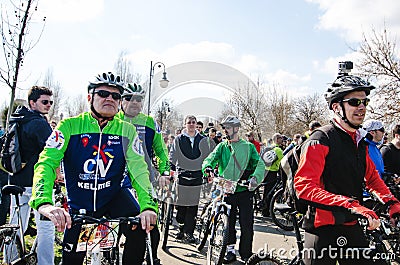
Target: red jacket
{"type": "Point", "coordinates": [257, 145]}
{"type": "Point", "coordinates": [331, 175]}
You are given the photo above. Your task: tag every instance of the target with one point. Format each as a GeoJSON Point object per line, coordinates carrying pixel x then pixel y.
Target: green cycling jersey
{"type": "Point", "coordinates": [246, 155]}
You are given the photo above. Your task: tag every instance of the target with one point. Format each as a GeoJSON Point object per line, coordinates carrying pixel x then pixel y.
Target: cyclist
{"type": "Point", "coordinates": [95, 148]}
{"type": "Point", "coordinates": [333, 169]}
{"type": "Point", "coordinates": [391, 152]}
{"type": "Point", "coordinates": [374, 138]}
{"type": "Point", "coordinates": [272, 176]}
{"type": "Point", "coordinates": [153, 144]}
{"type": "Point", "coordinates": [33, 133]}
{"type": "Point", "coordinates": [237, 159]}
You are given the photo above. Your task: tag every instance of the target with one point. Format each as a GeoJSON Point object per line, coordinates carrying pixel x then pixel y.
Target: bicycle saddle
{"type": "Point", "coordinates": [12, 189]}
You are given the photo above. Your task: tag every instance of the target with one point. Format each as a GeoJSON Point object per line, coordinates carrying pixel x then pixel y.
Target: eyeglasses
{"type": "Point", "coordinates": [191, 122]}
{"type": "Point", "coordinates": [355, 102]}
{"type": "Point", "coordinates": [381, 130]}
{"type": "Point", "coordinates": [135, 98]}
{"type": "Point", "coordinates": [45, 102]}
{"type": "Point", "coordinates": [106, 94]}
{"type": "Point", "coordinates": [226, 127]}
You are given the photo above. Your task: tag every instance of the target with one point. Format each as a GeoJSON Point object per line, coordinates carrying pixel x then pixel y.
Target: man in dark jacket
{"type": "Point", "coordinates": [33, 132]}
{"type": "Point", "coordinates": [186, 156]}
{"type": "Point", "coordinates": [333, 170]}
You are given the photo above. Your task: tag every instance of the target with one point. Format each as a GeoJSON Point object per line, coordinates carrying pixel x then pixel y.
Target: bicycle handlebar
{"type": "Point", "coordinates": [86, 219]}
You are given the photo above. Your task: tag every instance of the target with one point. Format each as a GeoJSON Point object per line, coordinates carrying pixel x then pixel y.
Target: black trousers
{"type": "Point", "coordinates": [242, 201]}
{"type": "Point", "coordinates": [270, 180]}
{"type": "Point", "coordinates": [5, 200]}
{"type": "Point", "coordinates": [124, 204]}
{"type": "Point", "coordinates": [326, 245]}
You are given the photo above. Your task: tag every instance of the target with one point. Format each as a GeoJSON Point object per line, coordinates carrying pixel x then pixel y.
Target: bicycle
{"type": "Point", "coordinates": [166, 211]}
{"type": "Point", "coordinates": [11, 241]}
{"type": "Point", "coordinates": [214, 220]}
{"type": "Point", "coordinates": [375, 237]}
{"type": "Point", "coordinates": [281, 217]}
{"type": "Point", "coordinates": [100, 238]}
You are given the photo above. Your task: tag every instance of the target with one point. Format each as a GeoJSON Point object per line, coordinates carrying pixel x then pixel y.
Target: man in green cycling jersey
{"type": "Point", "coordinates": [237, 159]}
{"type": "Point", "coordinates": [152, 142]}
{"type": "Point", "coordinates": [96, 148]}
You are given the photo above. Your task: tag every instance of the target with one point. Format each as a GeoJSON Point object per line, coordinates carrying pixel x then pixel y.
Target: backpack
{"type": "Point", "coordinates": [268, 155]}
{"type": "Point", "coordinates": [288, 168]}
{"type": "Point", "coordinates": [10, 156]}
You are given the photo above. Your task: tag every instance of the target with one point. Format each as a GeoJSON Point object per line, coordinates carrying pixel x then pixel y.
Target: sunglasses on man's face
{"type": "Point", "coordinates": [106, 94]}
{"type": "Point", "coordinates": [191, 122]}
{"type": "Point", "coordinates": [135, 98]}
{"type": "Point", "coordinates": [45, 102]}
{"type": "Point", "coordinates": [355, 102]}
{"type": "Point", "coordinates": [381, 130]}
{"type": "Point", "coordinates": [226, 127]}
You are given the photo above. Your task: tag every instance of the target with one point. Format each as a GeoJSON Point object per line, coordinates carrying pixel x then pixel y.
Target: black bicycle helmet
{"type": "Point", "coordinates": [343, 85]}
{"type": "Point", "coordinates": [108, 79]}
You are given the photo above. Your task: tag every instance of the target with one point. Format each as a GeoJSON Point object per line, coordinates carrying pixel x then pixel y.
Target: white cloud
{"type": "Point", "coordinates": [70, 10]}
{"type": "Point", "coordinates": [224, 53]}
{"type": "Point", "coordinates": [353, 18]}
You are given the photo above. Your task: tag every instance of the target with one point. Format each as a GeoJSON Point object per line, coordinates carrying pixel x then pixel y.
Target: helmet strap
{"type": "Point", "coordinates": [344, 118]}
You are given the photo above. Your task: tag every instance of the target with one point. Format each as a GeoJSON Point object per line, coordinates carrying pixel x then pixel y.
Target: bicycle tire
{"type": "Point", "coordinates": [218, 240]}
{"type": "Point", "coordinates": [204, 226]}
{"type": "Point", "coordinates": [260, 259]}
{"type": "Point", "coordinates": [167, 222]}
{"type": "Point", "coordinates": [282, 220]}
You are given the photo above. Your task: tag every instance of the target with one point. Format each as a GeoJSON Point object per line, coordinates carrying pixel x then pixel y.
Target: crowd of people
{"type": "Point", "coordinates": [113, 155]}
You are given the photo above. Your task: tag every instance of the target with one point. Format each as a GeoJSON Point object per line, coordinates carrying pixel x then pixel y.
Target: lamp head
{"type": "Point", "coordinates": [164, 81]}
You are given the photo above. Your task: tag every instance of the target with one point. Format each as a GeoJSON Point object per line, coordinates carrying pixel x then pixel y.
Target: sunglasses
{"type": "Point", "coordinates": [106, 94]}
{"type": "Point", "coordinates": [381, 130]}
{"type": "Point", "coordinates": [191, 122]}
{"type": "Point", "coordinates": [226, 127]}
{"type": "Point", "coordinates": [355, 102]}
{"type": "Point", "coordinates": [45, 102]}
{"type": "Point", "coordinates": [135, 98]}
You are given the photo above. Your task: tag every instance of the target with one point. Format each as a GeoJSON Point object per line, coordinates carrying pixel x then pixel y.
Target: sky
{"type": "Point", "coordinates": [296, 44]}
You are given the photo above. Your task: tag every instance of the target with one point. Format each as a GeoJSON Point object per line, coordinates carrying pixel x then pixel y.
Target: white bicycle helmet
{"type": "Point", "coordinates": [372, 125]}
{"type": "Point", "coordinates": [108, 79]}
{"type": "Point", "coordinates": [231, 121]}
{"type": "Point", "coordinates": [132, 89]}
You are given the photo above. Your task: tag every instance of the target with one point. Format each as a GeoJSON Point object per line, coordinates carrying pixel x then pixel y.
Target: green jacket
{"type": "Point", "coordinates": [94, 163]}
{"type": "Point", "coordinates": [152, 138]}
{"type": "Point", "coordinates": [246, 155]}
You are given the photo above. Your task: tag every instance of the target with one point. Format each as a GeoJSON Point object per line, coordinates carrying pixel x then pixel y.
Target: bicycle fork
{"type": "Point", "coordinates": [149, 249]}
{"type": "Point", "coordinates": [222, 207]}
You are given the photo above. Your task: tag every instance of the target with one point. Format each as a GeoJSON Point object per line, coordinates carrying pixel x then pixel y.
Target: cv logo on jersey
{"type": "Point", "coordinates": [98, 166]}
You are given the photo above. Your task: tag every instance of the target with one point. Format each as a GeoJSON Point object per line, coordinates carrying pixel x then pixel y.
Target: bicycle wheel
{"type": "Point", "coordinates": [12, 245]}
{"type": "Point", "coordinates": [219, 239]}
{"type": "Point", "coordinates": [204, 226]}
{"type": "Point", "coordinates": [167, 222]}
{"type": "Point", "coordinates": [281, 218]}
{"type": "Point", "coordinates": [263, 259]}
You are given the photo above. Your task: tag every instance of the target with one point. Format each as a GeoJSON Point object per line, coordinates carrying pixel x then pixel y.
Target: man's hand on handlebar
{"type": "Point", "coordinates": [57, 215]}
{"type": "Point", "coordinates": [148, 218]}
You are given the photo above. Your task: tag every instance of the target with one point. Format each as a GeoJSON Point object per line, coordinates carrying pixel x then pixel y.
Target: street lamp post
{"type": "Point", "coordinates": [163, 82]}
